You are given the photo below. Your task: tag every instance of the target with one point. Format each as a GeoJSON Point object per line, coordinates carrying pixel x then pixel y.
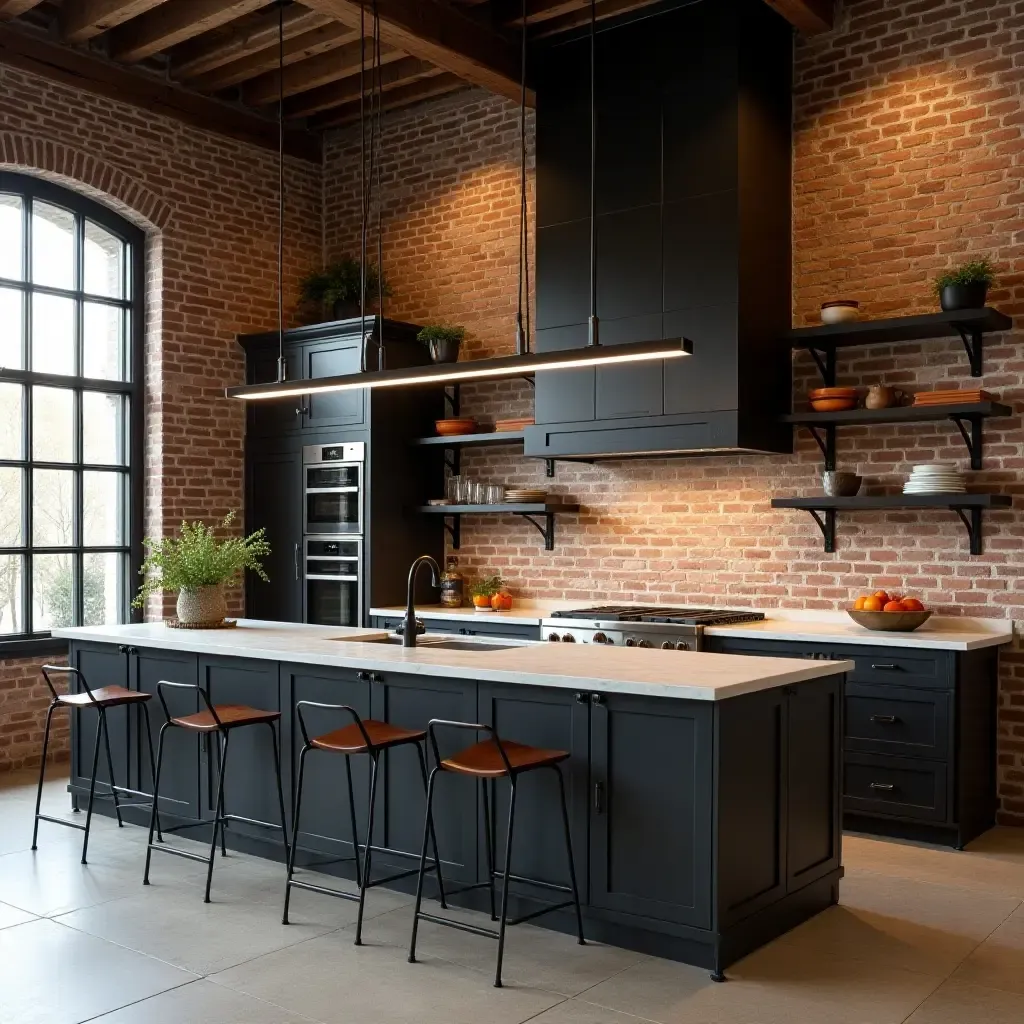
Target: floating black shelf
{"type": "Point", "coordinates": [546, 510]}
{"type": "Point", "coordinates": [968, 416]}
{"type": "Point", "coordinates": [970, 325]}
{"type": "Point", "coordinates": [968, 507]}
{"type": "Point", "coordinates": [492, 439]}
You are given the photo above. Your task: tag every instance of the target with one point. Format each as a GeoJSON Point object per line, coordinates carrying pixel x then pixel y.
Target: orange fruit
{"type": "Point", "coordinates": [911, 604]}
{"type": "Point", "coordinates": [872, 604]}
{"type": "Point", "coordinates": [882, 596]}
{"type": "Point", "coordinates": [894, 606]}
{"type": "Point", "coordinates": [858, 605]}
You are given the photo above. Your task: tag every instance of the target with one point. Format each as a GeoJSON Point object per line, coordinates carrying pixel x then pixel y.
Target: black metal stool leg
{"type": "Point", "coordinates": [42, 771]}
{"type": "Point", "coordinates": [222, 826]}
{"type": "Point", "coordinates": [375, 757]}
{"type": "Point", "coordinates": [427, 821]}
{"type": "Point", "coordinates": [568, 853]}
{"type": "Point", "coordinates": [92, 785]}
{"type": "Point", "coordinates": [110, 767]}
{"type": "Point", "coordinates": [152, 765]}
{"type": "Point", "coordinates": [295, 834]}
{"type": "Point", "coordinates": [156, 799]}
{"type": "Point", "coordinates": [280, 793]}
{"type": "Point", "coordinates": [218, 817]}
{"type": "Point", "coordinates": [352, 820]}
{"type": "Point", "coordinates": [433, 835]}
{"type": "Point", "coordinates": [504, 887]}
{"type": "Point", "coordinates": [489, 845]}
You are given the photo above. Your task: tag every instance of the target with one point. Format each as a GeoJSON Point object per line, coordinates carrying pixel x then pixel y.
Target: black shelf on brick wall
{"type": "Point", "coordinates": [970, 325]}
{"type": "Point", "coordinates": [492, 439]}
{"type": "Point", "coordinates": [968, 507]}
{"type": "Point", "coordinates": [546, 511]}
{"type": "Point", "coordinates": [968, 417]}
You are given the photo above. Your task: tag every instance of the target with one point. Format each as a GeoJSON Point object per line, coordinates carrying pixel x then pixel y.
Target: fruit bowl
{"type": "Point", "coordinates": [890, 622]}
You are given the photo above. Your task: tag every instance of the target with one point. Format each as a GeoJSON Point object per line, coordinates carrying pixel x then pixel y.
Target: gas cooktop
{"type": "Point", "coordinates": [659, 613]}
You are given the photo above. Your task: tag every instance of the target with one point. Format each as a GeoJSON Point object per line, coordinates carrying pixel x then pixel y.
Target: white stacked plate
{"type": "Point", "coordinates": [935, 478]}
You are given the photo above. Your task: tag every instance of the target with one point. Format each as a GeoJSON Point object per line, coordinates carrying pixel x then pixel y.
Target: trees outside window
{"type": "Point", "coordinates": [71, 290]}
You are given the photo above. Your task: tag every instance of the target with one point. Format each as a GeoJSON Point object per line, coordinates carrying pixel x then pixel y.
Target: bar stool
{"type": "Point", "coordinates": [487, 760]}
{"type": "Point", "coordinates": [360, 736]}
{"type": "Point", "coordinates": [221, 719]}
{"type": "Point", "coordinates": [101, 699]}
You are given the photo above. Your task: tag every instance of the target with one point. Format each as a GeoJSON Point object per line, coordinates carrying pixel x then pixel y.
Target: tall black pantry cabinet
{"type": "Point", "coordinates": [396, 476]}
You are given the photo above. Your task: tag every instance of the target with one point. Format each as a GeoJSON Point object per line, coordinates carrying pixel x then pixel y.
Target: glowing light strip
{"type": "Point", "coordinates": [479, 369]}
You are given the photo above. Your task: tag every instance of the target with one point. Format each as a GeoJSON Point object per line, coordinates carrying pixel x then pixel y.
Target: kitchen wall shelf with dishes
{"type": "Point", "coordinates": [540, 514]}
{"type": "Point", "coordinates": [969, 507]}
{"type": "Point", "coordinates": [968, 416]}
{"type": "Point", "coordinates": [971, 325]}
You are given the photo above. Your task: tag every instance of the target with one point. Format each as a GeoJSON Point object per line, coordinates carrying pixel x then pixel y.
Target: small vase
{"type": "Point", "coordinates": [444, 350]}
{"type": "Point", "coordinates": [202, 604]}
{"type": "Point", "coordinates": [346, 309]}
{"type": "Point", "coordinates": [963, 296]}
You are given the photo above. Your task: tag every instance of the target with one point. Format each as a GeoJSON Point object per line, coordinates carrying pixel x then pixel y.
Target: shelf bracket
{"type": "Point", "coordinates": [826, 441]}
{"type": "Point", "coordinates": [973, 440]}
{"type": "Point", "coordinates": [454, 529]}
{"type": "Point", "coordinates": [973, 527]}
{"type": "Point", "coordinates": [826, 365]}
{"type": "Point", "coordinates": [972, 339]}
{"type": "Point", "coordinates": [452, 460]}
{"type": "Point", "coordinates": [451, 399]}
{"type": "Point", "coordinates": [547, 531]}
{"type": "Point", "coordinates": [549, 467]}
{"type": "Point", "coordinates": [530, 380]}
{"type": "Point", "coordinates": [826, 525]}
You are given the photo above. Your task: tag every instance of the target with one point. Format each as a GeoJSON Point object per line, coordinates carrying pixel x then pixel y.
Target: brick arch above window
{"type": "Point", "coordinates": [76, 169]}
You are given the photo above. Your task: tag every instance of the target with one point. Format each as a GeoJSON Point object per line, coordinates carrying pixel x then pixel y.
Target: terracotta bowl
{"type": "Point", "coordinates": [833, 404]}
{"type": "Point", "coordinates": [447, 428]}
{"type": "Point", "coordinates": [890, 622]}
{"type": "Point", "coordinates": [833, 393]}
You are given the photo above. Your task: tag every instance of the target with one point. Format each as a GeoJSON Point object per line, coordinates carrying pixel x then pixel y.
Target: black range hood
{"type": "Point", "coordinates": [694, 150]}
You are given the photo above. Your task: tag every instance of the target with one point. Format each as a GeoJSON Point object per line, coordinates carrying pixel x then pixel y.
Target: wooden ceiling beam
{"type": "Point", "coordinates": [570, 19]}
{"type": "Point", "coordinates": [809, 16]}
{"type": "Point", "coordinates": [435, 31]}
{"type": "Point", "coordinates": [310, 74]}
{"type": "Point", "coordinates": [15, 8]}
{"type": "Point", "coordinates": [239, 39]}
{"type": "Point", "coordinates": [103, 78]}
{"type": "Point", "coordinates": [308, 44]}
{"type": "Point", "coordinates": [173, 23]}
{"type": "Point", "coordinates": [82, 20]}
{"type": "Point", "coordinates": [401, 72]}
{"type": "Point", "coordinates": [440, 85]}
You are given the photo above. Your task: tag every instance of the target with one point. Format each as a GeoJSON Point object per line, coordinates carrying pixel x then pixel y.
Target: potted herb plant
{"type": "Point", "coordinates": [334, 291]}
{"type": "Point", "coordinates": [443, 341]}
{"type": "Point", "coordinates": [199, 567]}
{"type": "Point", "coordinates": [484, 589]}
{"type": "Point", "coordinates": [966, 286]}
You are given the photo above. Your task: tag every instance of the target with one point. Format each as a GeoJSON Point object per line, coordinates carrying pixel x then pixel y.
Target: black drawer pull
{"type": "Point", "coordinates": [886, 786]}
{"type": "Point", "coordinates": [885, 668]}
{"type": "Point", "coordinates": [885, 719]}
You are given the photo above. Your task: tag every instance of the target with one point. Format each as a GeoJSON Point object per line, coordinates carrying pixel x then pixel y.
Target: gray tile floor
{"type": "Point", "coordinates": [922, 935]}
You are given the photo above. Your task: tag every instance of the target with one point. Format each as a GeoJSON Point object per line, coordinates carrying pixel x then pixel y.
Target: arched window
{"type": "Point", "coordinates": [71, 293]}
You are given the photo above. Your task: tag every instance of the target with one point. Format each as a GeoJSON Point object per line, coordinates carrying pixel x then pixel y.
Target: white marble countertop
{"type": "Point", "coordinates": [952, 633]}
{"type": "Point", "coordinates": [652, 673]}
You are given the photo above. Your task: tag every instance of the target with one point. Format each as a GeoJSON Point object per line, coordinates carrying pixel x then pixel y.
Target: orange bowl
{"type": "Point", "coordinates": [448, 428]}
{"type": "Point", "coordinates": [833, 404]}
{"type": "Point", "coordinates": [833, 393]}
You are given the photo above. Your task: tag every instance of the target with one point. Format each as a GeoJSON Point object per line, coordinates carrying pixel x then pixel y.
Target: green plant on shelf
{"type": "Point", "coordinates": [442, 332]}
{"type": "Point", "coordinates": [979, 272]}
{"type": "Point", "coordinates": [339, 282]}
{"type": "Point", "coordinates": [487, 586]}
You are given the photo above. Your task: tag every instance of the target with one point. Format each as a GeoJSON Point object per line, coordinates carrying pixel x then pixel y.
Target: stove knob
{"type": "Point", "coordinates": [568, 638]}
{"type": "Point", "coordinates": [643, 643]}
{"type": "Point", "coordinates": [682, 646]}
{"type": "Point", "coordinates": [667, 645]}
{"type": "Point", "coordinates": [600, 638]}
{"type": "Point", "coordinates": [553, 638]}
{"type": "Point", "coordinates": [630, 642]}
{"type": "Point", "coordinates": [609, 640]}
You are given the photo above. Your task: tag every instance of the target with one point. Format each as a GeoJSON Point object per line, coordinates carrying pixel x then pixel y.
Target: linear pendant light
{"type": "Point", "coordinates": [525, 362]}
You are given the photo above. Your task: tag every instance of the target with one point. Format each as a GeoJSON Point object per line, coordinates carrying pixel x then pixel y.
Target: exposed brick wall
{"type": "Point", "coordinates": [908, 151]}
{"type": "Point", "coordinates": [23, 700]}
{"type": "Point", "coordinates": [209, 206]}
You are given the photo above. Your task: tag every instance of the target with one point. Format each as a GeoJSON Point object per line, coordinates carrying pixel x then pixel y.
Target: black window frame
{"type": "Point", "coordinates": [31, 189]}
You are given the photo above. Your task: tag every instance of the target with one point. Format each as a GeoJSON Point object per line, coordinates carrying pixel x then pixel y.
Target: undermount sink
{"type": "Point", "coordinates": [392, 640]}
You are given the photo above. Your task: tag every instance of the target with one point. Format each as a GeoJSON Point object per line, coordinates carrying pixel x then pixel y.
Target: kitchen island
{"type": "Point", "coordinates": [704, 789]}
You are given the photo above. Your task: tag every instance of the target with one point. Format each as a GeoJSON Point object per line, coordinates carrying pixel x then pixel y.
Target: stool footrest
{"type": "Point", "coordinates": [533, 881]}
{"type": "Point", "coordinates": [323, 889]}
{"type": "Point", "coordinates": [542, 911]}
{"type": "Point", "coordinates": [164, 848]}
{"type": "Point", "coordinates": [61, 821]}
{"type": "Point", "coordinates": [252, 821]}
{"type": "Point", "coordinates": [460, 925]}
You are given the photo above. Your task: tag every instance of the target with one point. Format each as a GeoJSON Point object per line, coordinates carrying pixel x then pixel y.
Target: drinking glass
{"type": "Point", "coordinates": [453, 488]}
{"type": "Point", "coordinates": [478, 493]}
{"type": "Point", "coordinates": [495, 494]}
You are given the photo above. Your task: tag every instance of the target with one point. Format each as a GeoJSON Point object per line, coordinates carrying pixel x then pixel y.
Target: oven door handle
{"type": "Point", "coordinates": [332, 490]}
{"type": "Point", "coordinates": [298, 571]}
{"type": "Point", "coordinates": [333, 579]}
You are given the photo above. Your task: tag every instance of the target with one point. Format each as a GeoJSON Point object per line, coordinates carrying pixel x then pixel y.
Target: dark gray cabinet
{"type": "Point", "coordinates": [330, 359]}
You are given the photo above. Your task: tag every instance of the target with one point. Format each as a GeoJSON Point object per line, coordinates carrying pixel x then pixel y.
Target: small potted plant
{"type": "Point", "coordinates": [966, 286]}
{"type": "Point", "coordinates": [443, 341]}
{"type": "Point", "coordinates": [199, 567]}
{"type": "Point", "coordinates": [334, 291]}
{"type": "Point", "coordinates": [484, 590]}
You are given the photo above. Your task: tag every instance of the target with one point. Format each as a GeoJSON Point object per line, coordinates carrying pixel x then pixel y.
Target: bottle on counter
{"type": "Point", "coordinates": [453, 584]}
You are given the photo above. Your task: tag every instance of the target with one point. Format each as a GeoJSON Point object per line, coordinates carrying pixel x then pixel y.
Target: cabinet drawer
{"type": "Point", "coordinates": [896, 720]}
{"type": "Point", "coordinates": [895, 667]}
{"type": "Point", "coordinates": [894, 786]}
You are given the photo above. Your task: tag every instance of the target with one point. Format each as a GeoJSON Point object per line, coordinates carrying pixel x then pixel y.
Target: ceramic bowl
{"type": "Point", "coordinates": [890, 622]}
{"type": "Point", "coordinates": [833, 404]}
{"type": "Point", "coordinates": [447, 428]}
{"type": "Point", "coordinates": [833, 393]}
{"type": "Point", "coordinates": [840, 312]}
{"type": "Point", "coordinates": [840, 485]}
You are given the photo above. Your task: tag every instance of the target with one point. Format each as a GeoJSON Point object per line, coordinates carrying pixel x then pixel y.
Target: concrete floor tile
{"type": "Point", "coordinates": [576, 1011]}
{"type": "Point", "coordinates": [10, 916]}
{"type": "Point", "coordinates": [958, 1003]}
{"type": "Point", "coordinates": [999, 961]}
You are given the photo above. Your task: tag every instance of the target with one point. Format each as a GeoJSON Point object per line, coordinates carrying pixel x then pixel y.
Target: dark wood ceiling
{"type": "Point", "coordinates": [215, 62]}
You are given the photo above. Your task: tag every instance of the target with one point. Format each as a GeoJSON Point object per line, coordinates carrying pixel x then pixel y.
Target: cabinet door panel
{"type": "Point", "coordinates": [630, 390]}
{"type": "Point", "coordinates": [180, 776]}
{"type": "Point", "coordinates": [628, 263]}
{"type": "Point", "coordinates": [564, 396]}
{"type": "Point", "coordinates": [701, 251]}
{"type": "Point", "coordinates": [651, 760]}
{"type": "Point", "coordinates": [563, 274]}
{"type": "Point", "coordinates": [282, 416]}
{"type": "Point", "coordinates": [102, 665]}
{"type": "Point", "coordinates": [706, 381]}
{"type": "Point", "coordinates": [329, 359]}
{"type": "Point", "coordinates": [412, 702]}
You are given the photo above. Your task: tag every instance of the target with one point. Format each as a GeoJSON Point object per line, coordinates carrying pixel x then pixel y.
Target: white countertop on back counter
{"type": "Point", "coordinates": [951, 633]}
{"type": "Point", "coordinates": [652, 673]}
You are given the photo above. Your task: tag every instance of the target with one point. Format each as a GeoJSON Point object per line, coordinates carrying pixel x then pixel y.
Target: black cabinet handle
{"type": "Point", "coordinates": [885, 668]}
{"type": "Point", "coordinates": [122, 649]}
{"type": "Point", "coordinates": [599, 797]}
{"type": "Point", "coordinates": [597, 699]}
{"type": "Point", "coordinates": [582, 698]}
{"type": "Point", "coordinates": [297, 570]}
{"type": "Point", "coordinates": [885, 719]}
{"type": "Point", "coordinates": [376, 677]}
{"type": "Point", "coordinates": [362, 676]}
{"type": "Point", "coordinates": [885, 786]}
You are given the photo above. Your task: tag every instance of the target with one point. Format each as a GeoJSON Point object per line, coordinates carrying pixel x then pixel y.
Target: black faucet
{"type": "Point", "coordinates": [410, 627]}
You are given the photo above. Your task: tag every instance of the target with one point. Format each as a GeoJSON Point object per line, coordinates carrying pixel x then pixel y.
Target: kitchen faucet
{"type": "Point", "coordinates": [410, 627]}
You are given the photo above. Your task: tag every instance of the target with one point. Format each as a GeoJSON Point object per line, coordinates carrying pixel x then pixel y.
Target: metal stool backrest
{"type": "Point", "coordinates": [468, 727]}
{"type": "Point", "coordinates": [67, 670]}
{"type": "Point", "coordinates": [330, 707]}
{"type": "Point", "coordinates": [187, 686]}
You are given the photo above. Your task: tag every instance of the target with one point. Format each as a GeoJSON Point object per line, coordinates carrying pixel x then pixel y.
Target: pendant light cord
{"type": "Point", "coordinates": [381, 353]}
{"type": "Point", "coordinates": [281, 368]}
{"type": "Point", "coordinates": [362, 185]}
{"type": "Point", "coordinates": [593, 339]}
{"type": "Point", "coordinates": [523, 331]}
